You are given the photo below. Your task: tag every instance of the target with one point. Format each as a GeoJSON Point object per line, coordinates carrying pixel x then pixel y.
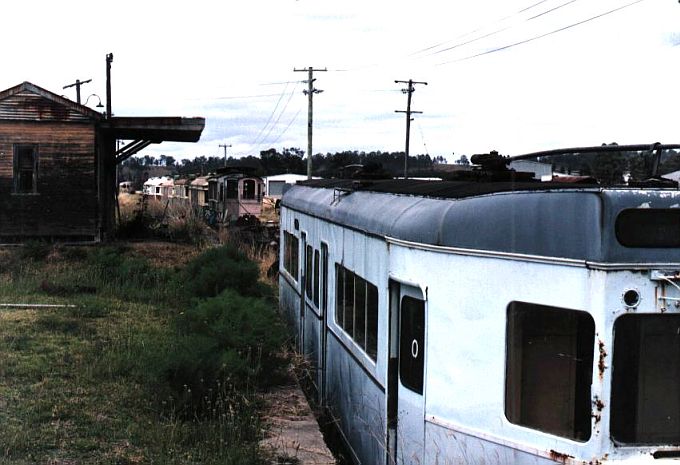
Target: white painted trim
{"type": "Point", "coordinates": [533, 258]}
{"type": "Point", "coordinates": [488, 253]}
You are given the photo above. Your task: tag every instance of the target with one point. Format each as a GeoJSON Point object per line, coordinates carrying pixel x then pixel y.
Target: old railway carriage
{"type": "Point", "coordinates": [489, 322]}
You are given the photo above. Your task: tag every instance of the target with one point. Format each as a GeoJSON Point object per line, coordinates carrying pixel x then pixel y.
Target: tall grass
{"type": "Point", "coordinates": [155, 364]}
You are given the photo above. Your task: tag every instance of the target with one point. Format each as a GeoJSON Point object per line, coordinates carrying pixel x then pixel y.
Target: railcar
{"type": "Point", "coordinates": [490, 320]}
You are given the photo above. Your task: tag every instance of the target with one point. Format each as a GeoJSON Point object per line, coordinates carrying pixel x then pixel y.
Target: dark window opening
{"type": "Point", "coordinates": [360, 312]}
{"type": "Point", "coordinates": [248, 189]}
{"type": "Point", "coordinates": [646, 380]}
{"type": "Point", "coordinates": [372, 321]}
{"type": "Point", "coordinates": [549, 369]}
{"type": "Point", "coordinates": [232, 189]}
{"type": "Point", "coordinates": [324, 285]}
{"type": "Point", "coordinates": [412, 343]}
{"type": "Point", "coordinates": [340, 296]}
{"type": "Point", "coordinates": [316, 279]}
{"type": "Point", "coordinates": [648, 227]}
{"type": "Point", "coordinates": [348, 307]}
{"type": "Point", "coordinates": [356, 309]}
{"type": "Point", "coordinates": [308, 271]}
{"type": "Point", "coordinates": [290, 254]}
{"type": "Point", "coordinates": [25, 169]}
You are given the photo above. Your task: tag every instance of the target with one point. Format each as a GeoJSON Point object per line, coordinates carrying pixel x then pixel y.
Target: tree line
{"type": "Point", "coordinates": [286, 160]}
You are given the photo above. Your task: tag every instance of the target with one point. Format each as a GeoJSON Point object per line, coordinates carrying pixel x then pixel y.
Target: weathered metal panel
{"type": "Point", "coordinates": [571, 224]}
{"type": "Point", "coordinates": [358, 403]}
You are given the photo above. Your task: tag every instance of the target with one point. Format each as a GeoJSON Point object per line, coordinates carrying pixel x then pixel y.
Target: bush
{"type": "Point", "coordinates": [35, 250]}
{"type": "Point", "coordinates": [219, 268]}
{"type": "Point", "coordinates": [226, 340]}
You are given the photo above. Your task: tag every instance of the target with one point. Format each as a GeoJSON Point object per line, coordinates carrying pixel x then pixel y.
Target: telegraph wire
{"type": "Point", "coordinates": [531, 39]}
{"type": "Point", "coordinates": [233, 97]}
{"type": "Point", "coordinates": [271, 115]}
{"type": "Point", "coordinates": [287, 127]}
{"type": "Point", "coordinates": [278, 118]}
{"type": "Point", "coordinates": [551, 10]}
{"type": "Point", "coordinates": [262, 141]}
{"type": "Point", "coordinates": [502, 29]}
{"type": "Point", "coordinates": [480, 28]}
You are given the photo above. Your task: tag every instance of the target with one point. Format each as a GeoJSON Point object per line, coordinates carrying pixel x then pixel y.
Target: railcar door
{"type": "Point", "coordinates": [406, 405]}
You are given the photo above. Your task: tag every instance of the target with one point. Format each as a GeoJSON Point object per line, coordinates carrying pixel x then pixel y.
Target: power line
{"type": "Point", "coordinates": [502, 29]}
{"type": "Point", "coordinates": [271, 115]}
{"type": "Point", "coordinates": [479, 29]}
{"type": "Point", "coordinates": [287, 127]}
{"type": "Point", "coordinates": [278, 118]}
{"type": "Point", "coordinates": [531, 39]}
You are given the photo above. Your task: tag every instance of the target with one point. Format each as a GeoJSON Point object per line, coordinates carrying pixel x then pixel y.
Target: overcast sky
{"type": "Point", "coordinates": [582, 72]}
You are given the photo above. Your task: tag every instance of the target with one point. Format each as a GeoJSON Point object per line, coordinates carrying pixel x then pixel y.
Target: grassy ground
{"type": "Point", "coordinates": [90, 384]}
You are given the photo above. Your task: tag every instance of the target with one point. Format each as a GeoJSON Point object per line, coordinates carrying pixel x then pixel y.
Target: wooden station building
{"type": "Point", "coordinates": [58, 163]}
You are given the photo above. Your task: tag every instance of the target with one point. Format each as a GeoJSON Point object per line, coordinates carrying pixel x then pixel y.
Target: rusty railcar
{"type": "Point", "coordinates": [490, 320]}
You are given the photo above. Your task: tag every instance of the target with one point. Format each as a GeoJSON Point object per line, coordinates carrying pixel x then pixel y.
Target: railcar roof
{"type": "Point", "coordinates": [440, 189]}
{"type": "Point", "coordinates": [546, 219]}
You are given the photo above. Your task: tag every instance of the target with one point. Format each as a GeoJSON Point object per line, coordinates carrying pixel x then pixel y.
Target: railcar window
{"type": "Point", "coordinates": [372, 321]}
{"type": "Point", "coordinates": [356, 309]}
{"type": "Point", "coordinates": [411, 343]}
{"type": "Point", "coordinates": [646, 379]}
{"type": "Point", "coordinates": [290, 254]}
{"type": "Point", "coordinates": [340, 296]}
{"type": "Point", "coordinates": [309, 281]}
{"type": "Point", "coordinates": [316, 278]}
{"type": "Point", "coordinates": [248, 189]}
{"type": "Point", "coordinates": [648, 227]}
{"type": "Point", "coordinates": [348, 307]}
{"type": "Point", "coordinates": [232, 189]}
{"type": "Point", "coordinates": [549, 369]}
{"type": "Point", "coordinates": [360, 311]}
{"type": "Point", "coordinates": [324, 291]}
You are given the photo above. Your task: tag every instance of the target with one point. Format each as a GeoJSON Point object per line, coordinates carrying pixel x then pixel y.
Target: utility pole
{"type": "Point", "coordinates": [225, 152]}
{"type": "Point", "coordinates": [109, 60]}
{"type": "Point", "coordinates": [408, 112]}
{"type": "Point", "coordinates": [77, 85]}
{"type": "Point", "coordinates": [310, 110]}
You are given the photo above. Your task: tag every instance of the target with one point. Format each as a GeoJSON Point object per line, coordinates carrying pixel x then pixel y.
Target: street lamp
{"type": "Point", "coordinates": [99, 105]}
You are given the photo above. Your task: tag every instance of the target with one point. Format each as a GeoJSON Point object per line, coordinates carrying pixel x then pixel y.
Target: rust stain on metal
{"type": "Point", "coordinates": [600, 364]}
{"type": "Point", "coordinates": [599, 406]}
{"type": "Point", "coordinates": [559, 457]}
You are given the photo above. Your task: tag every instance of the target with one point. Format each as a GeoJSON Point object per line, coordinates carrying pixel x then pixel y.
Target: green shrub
{"type": "Point", "coordinates": [219, 268]}
{"type": "Point", "coordinates": [35, 250]}
{"type": "Point", "coordinates": [230, 340]}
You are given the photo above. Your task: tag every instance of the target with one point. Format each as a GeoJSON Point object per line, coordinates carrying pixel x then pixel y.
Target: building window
{"type": "Point", "coordinates": [248, 189]}
{"type": "Point", "coordinates": [290, 254]}
{"type": "Point", "coordinates": [646, 379]}
{"type": "Point", "coordinates": [356, 309]}
{"type": "Point", "coordinates": [26, 169]}
{"type": "Point", "coordinates": [549, 369]}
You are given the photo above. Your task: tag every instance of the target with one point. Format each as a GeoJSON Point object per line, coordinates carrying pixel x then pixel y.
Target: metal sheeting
{"type": "Point", "coordinates": [572, 224]}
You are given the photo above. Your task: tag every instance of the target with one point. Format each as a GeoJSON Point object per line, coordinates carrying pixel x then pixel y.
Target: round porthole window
{"type": "Point", "coordinates": [631, 298]}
